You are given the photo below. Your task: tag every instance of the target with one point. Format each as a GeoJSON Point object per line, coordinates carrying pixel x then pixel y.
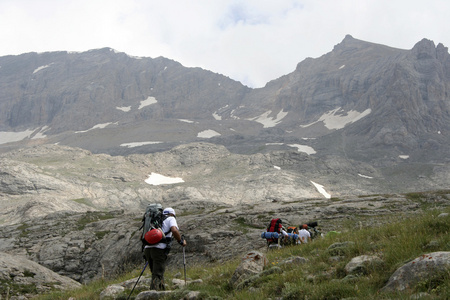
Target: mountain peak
{"type": "Point", "coordinates": [426, 49]}
{"type": "Point", "coordinates": [350, 42]}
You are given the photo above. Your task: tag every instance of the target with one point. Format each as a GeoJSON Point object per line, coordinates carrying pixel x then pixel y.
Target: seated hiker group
{"type": "Point", "coordinates": [277, 236]}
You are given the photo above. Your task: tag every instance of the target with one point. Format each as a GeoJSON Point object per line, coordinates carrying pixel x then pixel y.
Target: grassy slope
{"type": "Point", "coordinates": [400, 240]}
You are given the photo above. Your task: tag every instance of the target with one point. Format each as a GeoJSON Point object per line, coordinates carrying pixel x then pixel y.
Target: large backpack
{"type": "Point", "coordinates": [274, 226]}
{"type": "Point", "coordinates": [292, 229]}
{"type": "Point", "coordinates": [151, 223]}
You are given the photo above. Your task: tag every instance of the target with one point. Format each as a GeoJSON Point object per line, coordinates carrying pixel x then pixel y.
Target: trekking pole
{"type": "Point", "coordinates": [184, 260]}
{"type": "Point", "coordinates": [137, 280]}
{"type": "Point", "coordinates": [184, 263]}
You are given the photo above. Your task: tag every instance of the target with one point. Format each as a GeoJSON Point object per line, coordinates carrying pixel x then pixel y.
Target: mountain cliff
{"type": "Point", "coordinates": [361, 102]}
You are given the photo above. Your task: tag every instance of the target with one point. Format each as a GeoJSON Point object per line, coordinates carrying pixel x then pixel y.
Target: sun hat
{"type": "Point", "coordinates": [169, 210]}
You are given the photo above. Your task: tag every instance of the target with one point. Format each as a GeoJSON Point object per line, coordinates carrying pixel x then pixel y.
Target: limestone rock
{"type": "Point", "coordinates": [361, 265]}
{"type": "Point", "coordinates": [151, 295]}
{"type": "Point", "coordinates": [424, 267]}
{"type": "Point", "coordinates": [179, 283]}
{"type": "Point", "coordinates": [111, 292]}
{"type": "Point", "coordinates": [22, 271]}
{"type": "Point", "coordinates": [252, 263]}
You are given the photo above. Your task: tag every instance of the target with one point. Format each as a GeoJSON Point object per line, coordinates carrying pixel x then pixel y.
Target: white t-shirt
{"type": "Point", "coordinates": [167, 224]}
{"type": "Point", "coordinates": [303, 235]}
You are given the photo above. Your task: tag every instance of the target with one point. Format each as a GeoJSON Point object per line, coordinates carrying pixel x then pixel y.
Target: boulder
{"type": "Point", "coordinates": [111, 292]}
{"type": "Point", "coordinates": [179, 283]}
{"type": "Point", "coordinates": [340, 248]}
{"type": "Point", "coordinates": [21, 271]}
{"type": "Point", "coordinates": [252, 263]}
{"type": "Point", "coordinates": [360, 265]}
{"type": "Point", "coordinates": [425, 267]}
{"type": "Point", "coordinates": [150, 295]}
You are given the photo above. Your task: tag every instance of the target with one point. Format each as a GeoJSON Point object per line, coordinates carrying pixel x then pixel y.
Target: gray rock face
{"type": "Point", "coordinates": [24, 272]}
{"type": "Point", "coordinates": [425, 267]}
{"type": "Point", "coordinates": [40, 180]}
{"type": "Point", "coordinates": [362, 101]}
{"type": "Point", "coordinates": [78, 213]}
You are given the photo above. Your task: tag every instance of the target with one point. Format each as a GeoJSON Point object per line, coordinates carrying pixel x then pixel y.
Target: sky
{"type": "Point", "coordinates": [252, 41]}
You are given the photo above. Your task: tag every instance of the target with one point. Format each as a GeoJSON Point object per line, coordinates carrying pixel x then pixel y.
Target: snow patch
{"type": "Point", "coordinates": [40, 134]}
{"type": "Point", "coordinates": [9, 137]}
{"type": "Point", "coordinates": [137, 144]}
{"type": "Point", "coordinates": [208, 134]}
{"type": "Point", "coordinates": [147, 102]}
{"type": "Point", "coordinates": [277, 167]}
{"type": "Point", "coordinates": [41, 68]}
{"type": "Point", "coordinates": [124, 108]}
{"type": "Point", "coordinates": [321, 190]}
{"type": "Point", "coordinates": [98, 126]}
{"type": "Point", "coordinates": [365, 176]}
{"type": "Point", "coordinates": [186, 121]}
{"type": "Point", "coordinates": [216, 113]}
{"type": "Point", "coordinates": [338, 119]}
{"type": "Point", "coordinates": [158, 179]}
{"type": "Point", "coordinates": [303, 148]}
{"type": "Point", "coordinates": [269, 122]}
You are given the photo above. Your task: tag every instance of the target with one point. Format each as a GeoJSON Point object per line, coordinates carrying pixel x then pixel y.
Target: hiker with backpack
{"type": "Point", "coordinates": [293, 230]}
{"type": "Point", "coordinates": [276, 226]}
{"type": "Point", "coordinates": [304, 235]}
{"type": "Point", "coordinates": [160, 228]}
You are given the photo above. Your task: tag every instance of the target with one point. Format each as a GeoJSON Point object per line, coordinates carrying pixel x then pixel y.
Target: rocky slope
{"type": "Point", "coordinates": [84, 135]}
{"type": "Point", "coordinates": [361, 101]}
{"type": "Point", "coordinates": [43, 179]}
{"type": "Point", "coordinates": [78, 213]}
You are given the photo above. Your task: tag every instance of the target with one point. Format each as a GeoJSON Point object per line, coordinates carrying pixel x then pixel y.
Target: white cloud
{"type": "Point", "coordinates": [252, 41]}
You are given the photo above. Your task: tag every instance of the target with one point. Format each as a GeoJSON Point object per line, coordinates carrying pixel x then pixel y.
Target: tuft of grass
{"type": "Point", "coordinates": [83, 201]}
{"type": "Point", "coordinates": [91, 217]}
{"type": "Point", "coordinates": [101, 234]}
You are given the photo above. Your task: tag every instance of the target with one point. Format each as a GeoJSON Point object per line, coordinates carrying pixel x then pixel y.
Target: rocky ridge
{"type": "Point", "coordinates": [362, 101]}
{"type": "Point", "coordinates": [37, 181]}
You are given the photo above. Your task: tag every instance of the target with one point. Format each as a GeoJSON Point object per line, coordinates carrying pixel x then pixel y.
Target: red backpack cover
{"type": "Point", "coordinates": [274, 226]}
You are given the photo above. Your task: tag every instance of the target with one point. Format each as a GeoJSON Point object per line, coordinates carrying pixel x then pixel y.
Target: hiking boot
{"type": "Point", "coordinates": [157, 284]}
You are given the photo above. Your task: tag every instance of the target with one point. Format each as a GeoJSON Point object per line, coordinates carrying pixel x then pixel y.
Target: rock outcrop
{"type": "Point", "coordinates": [30, 277]}
{"type": "Point", "coordinates": [425, 267]}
